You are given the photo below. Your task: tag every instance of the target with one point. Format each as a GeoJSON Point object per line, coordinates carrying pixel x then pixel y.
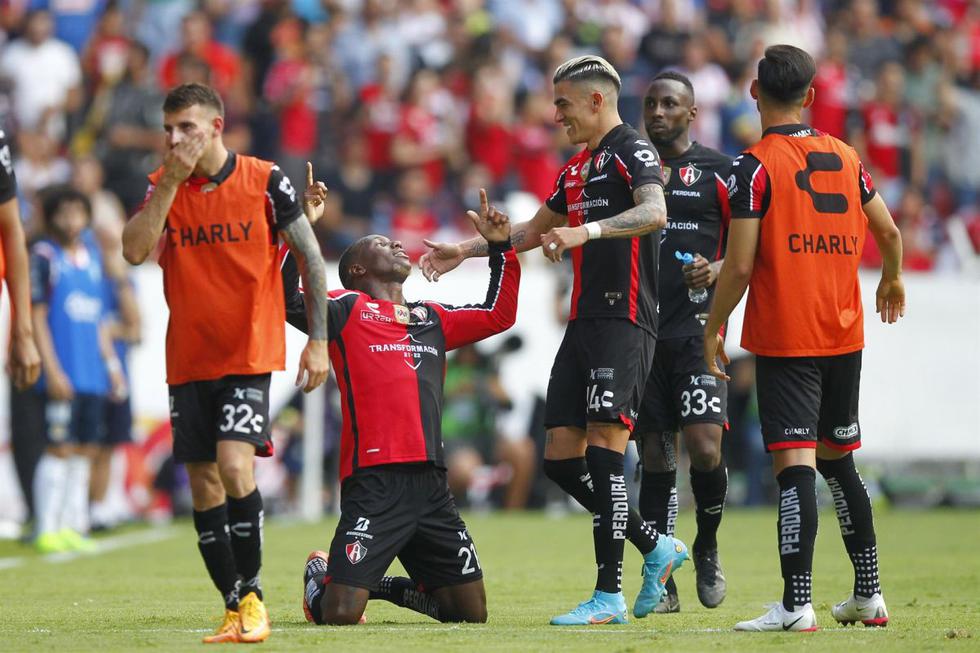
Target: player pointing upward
{"type": "Point", "coordinates": [607, 203]}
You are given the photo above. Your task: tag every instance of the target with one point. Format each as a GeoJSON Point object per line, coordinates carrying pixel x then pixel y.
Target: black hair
{"type": "Point", "coordinates": [349, 258]}
{"type": "Point", "coordinates": [587, 68]}
{"type": "Point", "coordinates": [54, 197]}
{"type": "Point", "coordinates": [675, 76]}
{"type": "Point", "coordinates": [785, 73]}
{"type": "Point", "coordinates": [187, 95]}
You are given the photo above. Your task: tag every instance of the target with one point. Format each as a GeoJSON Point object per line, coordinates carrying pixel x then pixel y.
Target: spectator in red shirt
{"type": "Point", "coordinates": [412, 220]}
{"type": "Point", "coordinates": [488, 132]}
{"type": "Point", "coordinates": [535, 153]}
{"type": "Point", "coordinates": [288, 90]}
{"type": "Point", "coordinates": [426, 134]}
{"type": "Point", "coordinates": [832, 85]}
{"type": "Point", "coordinates": [380, 112]}
{"type": "Point", "coordinates": [196, 39]}
{"type": "Point", "coordinates": [884, 136]}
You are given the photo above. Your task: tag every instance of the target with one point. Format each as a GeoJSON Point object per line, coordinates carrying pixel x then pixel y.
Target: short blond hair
{"type": "Point", "coordinates": [588, 67]}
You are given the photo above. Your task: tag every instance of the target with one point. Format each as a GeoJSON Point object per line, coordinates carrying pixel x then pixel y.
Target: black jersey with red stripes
{"type": "Point", "coordinates": [697, 222]}
{"type": "Point", "coordinates": [614, 277]}
{"type": "Point", "coordinates": [748, 184]}
{"type": "Point", "coordinates": [390, 362]}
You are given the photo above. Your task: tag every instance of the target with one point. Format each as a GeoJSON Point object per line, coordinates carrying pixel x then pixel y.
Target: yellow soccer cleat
{"type": "Point", "coordinates": [50, 543]}
{"type": "Point", "coordinates": [255, 624]}
{"type": "Point", "coordinates": [228, 632]}
{"type": "Point", "coordinates": [75, 541]}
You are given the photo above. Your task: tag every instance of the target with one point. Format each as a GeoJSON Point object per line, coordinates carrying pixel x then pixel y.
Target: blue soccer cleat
{"type": "Point", "coordinates": [602, 608]}
{"type": "Point", "coordinates": [666, 558]}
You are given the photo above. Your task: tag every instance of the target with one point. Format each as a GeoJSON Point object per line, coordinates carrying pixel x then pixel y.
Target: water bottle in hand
{"type": "Point", "coordinates": [696, 295]}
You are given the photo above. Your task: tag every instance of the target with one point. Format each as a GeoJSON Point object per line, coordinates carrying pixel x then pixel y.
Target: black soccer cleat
{"type": "Point", "coordinates": [711, 582]}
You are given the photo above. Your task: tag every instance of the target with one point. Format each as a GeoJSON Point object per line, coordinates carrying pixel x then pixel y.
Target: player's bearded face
{"type": "Point", "coordinates": [666, 113]}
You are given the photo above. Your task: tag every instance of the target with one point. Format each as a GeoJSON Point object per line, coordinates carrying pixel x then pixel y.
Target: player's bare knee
{"type": "Point", "coordinates": [705, 456]}
{"type": "Point", "coordinates": [342, 616]}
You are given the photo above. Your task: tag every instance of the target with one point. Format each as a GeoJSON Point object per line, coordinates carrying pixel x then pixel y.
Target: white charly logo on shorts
{"type": "Point", "coordinates": [602, 373]}
{"type": "Point", "coordinates": [846, 432]}
{"type": "Point", "coordinates": [704, 379]}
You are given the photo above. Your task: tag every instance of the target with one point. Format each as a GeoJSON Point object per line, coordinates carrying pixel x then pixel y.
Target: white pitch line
{"type": "Point", "coordinates": [103, 546]}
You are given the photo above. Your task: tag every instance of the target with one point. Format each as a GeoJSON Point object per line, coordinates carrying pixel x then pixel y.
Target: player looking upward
{"type": "Point", "coordinates": [389, 355]}
{"type": "Point", "coordinates": [801, 206]}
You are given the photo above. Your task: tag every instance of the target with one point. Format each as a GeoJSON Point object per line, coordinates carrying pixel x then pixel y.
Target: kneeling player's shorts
{"type": "Point", "coordinates": [230, 408]}
{"type": "Point", "coordinates": [680, 391]}
{"type": "Point", "coordinates": [802, 400]}
{"type": "Point", "coordinates": [599, 373]}
{"type": "Point", "coordinates": [80, 420]}
{"type": "Point", "coordinates": [404, 511]}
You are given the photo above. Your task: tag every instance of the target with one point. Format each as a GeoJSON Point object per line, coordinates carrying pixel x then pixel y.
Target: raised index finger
{"type": "Point", "coordinates": [484, 202]}
{"type": "Point", "coordinates": [309, 174]}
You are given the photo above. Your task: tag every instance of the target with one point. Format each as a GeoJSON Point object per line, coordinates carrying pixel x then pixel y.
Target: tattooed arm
{"type": "Point", "coordinates": [444, 257]}
{"type": "Point", "coordinates": [314, 361]}
{"type": "Point", "coordinates": [648, 214]}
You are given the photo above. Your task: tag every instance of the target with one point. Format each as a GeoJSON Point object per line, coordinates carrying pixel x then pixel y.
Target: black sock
{"type": "Point", "coordinates": [709, 489]}
{"type": "Point", "coordinates": [853, 506]}
{"type": "Point", "coordinates": [245, 517]}
{"type": "Point", "coordinates": [611, 515]}
{"type": "Point", "coordinates": [572, 475]}
{"type": "Point", "coordinates": [314, 589]}
{"type": "Point", "coordinates": [797, 532]}
{"type": "Point", "coordinates": [404, 593]}
{"type": "Point", "coordinates": [214, 544]}
{"type": "Point", "coordinates": [658, 506]}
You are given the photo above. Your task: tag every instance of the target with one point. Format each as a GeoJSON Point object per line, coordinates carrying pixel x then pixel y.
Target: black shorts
{"type": "Point", "coordinates": [78, 421]}
{"type": "Point", "coordinates": [118, 422]}
{"type": "Point", "coordinates": [230, 408]}
{"type": "Point", "coordinates": [805, 399]}
{"type": "Point", "coordinates": [403, 511]}
{"type": "Point", "coordinates": [599, 373]}
{"type": "Point", "coordinates": [680, 391]}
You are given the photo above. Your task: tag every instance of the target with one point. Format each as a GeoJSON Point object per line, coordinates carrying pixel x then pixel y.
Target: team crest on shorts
{"type": "Point", "coordinates": [689, 174]}
{"type": "Point", "coordinates": [356, 552]}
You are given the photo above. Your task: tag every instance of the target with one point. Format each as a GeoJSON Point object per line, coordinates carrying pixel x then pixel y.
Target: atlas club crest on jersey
{"type": "Point", "coordinates": [602, 160]}
{"type": "Point", "coordinates": [689, 174]}
{"type": "Point", "coordinates": [356, 552]}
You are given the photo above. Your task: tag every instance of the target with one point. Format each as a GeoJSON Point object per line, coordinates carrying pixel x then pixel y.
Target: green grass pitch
{"type": "Point", "coordinates": [154, 594]}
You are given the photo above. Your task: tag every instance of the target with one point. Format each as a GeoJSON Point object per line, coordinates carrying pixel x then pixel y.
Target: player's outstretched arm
{"type": "Point", "coordinates": [743, 241]}
{"type": "Point", "coordinates": [444, 257]}
{"type": "Point", "coordinates": [142, 232]}
{"type": "Point", "coordinates": [649, 213]}
{"type": "Point", "coordinates": [23, 361]}
{"type": "Point", "coordinates": [314, 362]}
{"type": "Point", "coordinates": [890, 298]}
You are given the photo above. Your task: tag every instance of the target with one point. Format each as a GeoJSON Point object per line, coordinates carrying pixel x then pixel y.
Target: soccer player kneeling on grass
{"type": "Point", "coordinates": [390, 357]}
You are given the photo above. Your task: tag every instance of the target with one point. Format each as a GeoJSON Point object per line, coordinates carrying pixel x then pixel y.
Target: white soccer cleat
{"type": "Point", "coordinates": [870, 612]}
{"type": "Point", "coordinates": [778, 619]}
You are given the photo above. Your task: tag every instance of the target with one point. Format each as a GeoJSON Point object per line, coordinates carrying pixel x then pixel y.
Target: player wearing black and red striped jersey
{"type": "Point", "coordinates": [389, 356]}
{"type": "Point", "coordinates": [680, 395]}
{"type": "Point", "coordinates": [607, 205]}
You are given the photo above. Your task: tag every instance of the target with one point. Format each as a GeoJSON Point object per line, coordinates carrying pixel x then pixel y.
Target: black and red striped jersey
{"type": "Point", "coordinates": [697, 222]}
{"type": "Point", "coordinates": [614, 277]}
{"type": "Point", "coordinates": [390, 362]}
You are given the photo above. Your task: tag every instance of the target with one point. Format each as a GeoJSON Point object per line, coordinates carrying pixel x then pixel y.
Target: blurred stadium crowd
{"type": "Point", "coordinates": [407, 107]}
